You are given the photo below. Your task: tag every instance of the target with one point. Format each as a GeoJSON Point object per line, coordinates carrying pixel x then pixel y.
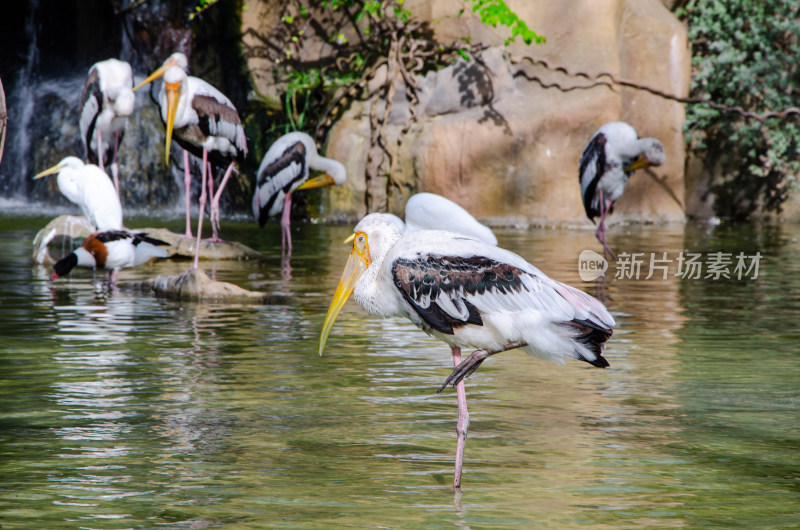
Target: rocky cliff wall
{"type": "Point", "coordinates": [502, 136]}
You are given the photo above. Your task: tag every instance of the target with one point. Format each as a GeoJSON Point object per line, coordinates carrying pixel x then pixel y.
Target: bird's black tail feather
{"type": "Point", "coordinates": [593, 336]}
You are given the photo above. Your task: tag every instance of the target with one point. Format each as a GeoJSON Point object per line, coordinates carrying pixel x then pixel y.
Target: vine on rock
{"type": "Point", "coordinates": [371, 50]}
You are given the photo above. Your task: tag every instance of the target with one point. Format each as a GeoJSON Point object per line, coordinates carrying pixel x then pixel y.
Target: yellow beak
{"type": "Point", "coordinates": [155, 75]}
{"type": "Point", "coordinates": [172, 107]}
{"type": "Point", "coordinates": [49, 171]}
{"type": "Point", "coordinates": [639, 163]}
{"type": "Point", "coordinates": [317, 182]}
{"type": "Point", "coordinates": [353, 270]}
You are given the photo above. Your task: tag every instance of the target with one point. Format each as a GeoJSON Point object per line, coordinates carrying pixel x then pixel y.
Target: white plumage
{"type": "Point", "coordinates": [107, 101]}
{"type": "Point", "coordinates": [206, 124]}
{"type": "Point", "coordinates": [609, 159]}
{"type": "Point", "coordinates": [112, 250]}
{"type": "Point", "coordinates": [468, 294]}
{"type": "Point", "coordinates": [428, 211]}
{"type": "Point", "coordinates": [286, 167]}
{"type": "Point", "coordinates": [90, 188]}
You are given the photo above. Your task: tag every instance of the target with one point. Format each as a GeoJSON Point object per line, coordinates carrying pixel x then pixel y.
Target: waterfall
{"type": "Point", "coordinates": [20, 105]}
{"type": "Point", "coordinates": [49, 53]}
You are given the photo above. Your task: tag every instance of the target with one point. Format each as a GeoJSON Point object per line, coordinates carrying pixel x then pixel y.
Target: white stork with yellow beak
{"type": "Point", "coordinates": [107, 101]}
{"type": "Point", "coordinates": [467, 294]}
{"type": "Point", "coordinates": [285, 168]}
{"type": "Point", "coordinates": [609, 159]}
{"type": "Point", "coordinates": [206, 124]}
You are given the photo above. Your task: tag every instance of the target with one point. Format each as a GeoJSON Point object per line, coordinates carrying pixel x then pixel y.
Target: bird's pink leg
{"type": "Point", "coordinates": [215, 202]}
{"type": "Point", "coordinates": [211, 211]}
{"type": "Point", "coordinates": [114, 167]}
{"type": "Point", "coordinates": [600, 234]}
{"type": "Point", "coordinates": [100, 150]}
{"type": "Point", "coordinates": [202, 210]}
{"type": "Point", "coordinates": [187, 184]}
{"type": "Point", "coordinates": [286, 233]}
{"type": "Point", "coordinates": [463, 422]}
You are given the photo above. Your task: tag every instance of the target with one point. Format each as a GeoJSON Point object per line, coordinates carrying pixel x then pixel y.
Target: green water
{"type": "Point", "coordinates": [121, 410]}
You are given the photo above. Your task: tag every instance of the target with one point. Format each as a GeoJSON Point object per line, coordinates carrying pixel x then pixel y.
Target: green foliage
{"type": "Point", "coordinates": [494, 12]}
{"type": "Point", "coordinates": [362, 33]}
{"type": "Point", "coordinates": [745, 54]}
{"type": "Point", "coordinates": [201, 6]}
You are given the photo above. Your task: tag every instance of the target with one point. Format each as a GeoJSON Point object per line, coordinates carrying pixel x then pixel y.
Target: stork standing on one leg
{"type": "Point", "coordinates": [609, 159]}
{"type": "Point", "coordinates": [285, 168]}
{"type": "Point", "coordinates": [467, 294]}
{"type": "Point", "coordinates": [206, 124]}
{"type": "Point", "coordinates": [107, 101]}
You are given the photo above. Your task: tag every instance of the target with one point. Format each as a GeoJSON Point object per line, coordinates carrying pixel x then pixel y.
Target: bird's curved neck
{"type": "Point", "coordinates": [320, 163]}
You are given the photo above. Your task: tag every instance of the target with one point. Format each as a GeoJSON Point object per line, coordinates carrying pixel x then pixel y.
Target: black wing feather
{"type": "Point", "coordinates": [91, 93]}
{"type": "Point", "coordinates": [595, 152]}
{"type": "Point", "coordinates": [425, 279]}
{"type": "Point", "coordinates": [296, 154]}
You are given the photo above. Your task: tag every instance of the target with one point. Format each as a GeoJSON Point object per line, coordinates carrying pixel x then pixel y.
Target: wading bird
{"type": "Point", "coordinates": [112, 250]}
{"type": "Point", "coordinates": [609, 159]}
{"type": "Point", "coordinates": [285, 168]}
{"type": "Point", "coordinates": [469, 295]}
{"type": "Point", "coordinates": [106, 102]}
{"type": "Point", "coordinates": [206, 124]}
{"type": "Point", "coordinates": [89, 187]}
{"type": "Point", "coordinates": [428, 211]}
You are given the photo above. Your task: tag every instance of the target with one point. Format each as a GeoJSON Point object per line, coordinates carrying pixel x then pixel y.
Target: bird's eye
{"type": "Point", "coordinates": [360, 243]}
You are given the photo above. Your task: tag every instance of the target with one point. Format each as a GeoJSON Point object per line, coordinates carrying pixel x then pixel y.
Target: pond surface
{"type": "Point", "coordinates": [122, 410]}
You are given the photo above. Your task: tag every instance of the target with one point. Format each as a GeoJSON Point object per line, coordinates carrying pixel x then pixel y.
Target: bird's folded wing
{"type": "Point", "coordinates": [452, 291]}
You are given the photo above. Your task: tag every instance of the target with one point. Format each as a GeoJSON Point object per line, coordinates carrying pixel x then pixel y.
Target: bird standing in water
{"type": "Point", "coordinates": [206, 124]}
{"type": "Point", "coordinates": [285, 168]}
{"type": "Point", "coordinates": [609, 159]}
{"type": "Point", "coordinates": [112, 250]}
{"type": "Point", "coordinates": [467, 294]}
{"type": "Point", "coordinates": [89, 187]}
{"type": "Point", "coordinates": [107, 101]}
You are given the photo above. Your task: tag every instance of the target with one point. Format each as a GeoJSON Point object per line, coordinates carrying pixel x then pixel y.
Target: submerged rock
{"type": "Point", "coordinates": [184, 247]}
{"type": "Point", "coordinates": [195, 284]}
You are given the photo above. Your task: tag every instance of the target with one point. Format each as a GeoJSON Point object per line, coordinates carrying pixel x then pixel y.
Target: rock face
{"type": "Point", "coordinates": [502, 137]}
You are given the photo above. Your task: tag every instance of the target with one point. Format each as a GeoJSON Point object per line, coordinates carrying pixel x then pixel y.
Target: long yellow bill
{"type": "Point", "coordinates": [155, 75]}
{"type": "Point", "coordinates": [639, 163]}
{"type": "Point", "coordinates": [48, 171]}
{"type": "Point", "coordinates": [356, 265]}
{"type": "Point", "coordinates": [317, 182]}
{"type": "Point", "coordinates": [172, 107]}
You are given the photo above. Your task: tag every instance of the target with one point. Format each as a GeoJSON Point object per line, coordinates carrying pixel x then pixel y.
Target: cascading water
{"type": "Point", "coordinates": [46, 50]}
{"type": "Point", "coordinates": [20, 112]}
{"type": "Point", "coordinates": [43, 107]}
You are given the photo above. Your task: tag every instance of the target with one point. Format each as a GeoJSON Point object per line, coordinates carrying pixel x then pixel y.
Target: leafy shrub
{"type": "Point", "coordinates": [745, 53]}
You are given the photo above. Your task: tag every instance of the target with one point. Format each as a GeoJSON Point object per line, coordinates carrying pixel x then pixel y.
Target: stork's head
{"type": "Point", "coordinates": [176, 59]}
{"type": "Point", "coordinates": [123, 101]}
{"type": "Point", "coordinates": [334, 173]}
{"type": "Point", "coordinates": [372, 239]}
{"type": "Point", "coordinates": [174, 72]}
{"type": "Point", "coordinates": [651, 154]}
